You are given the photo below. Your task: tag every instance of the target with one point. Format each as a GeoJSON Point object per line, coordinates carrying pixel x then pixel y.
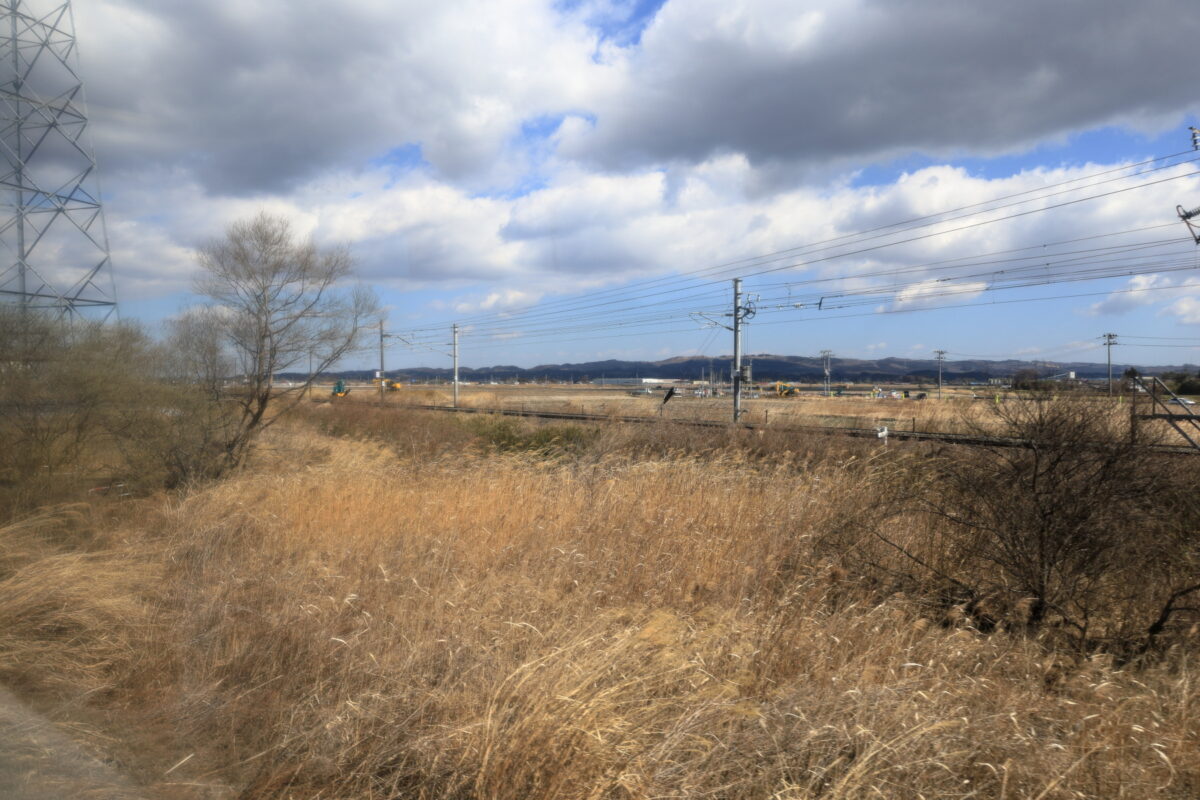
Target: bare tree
{"type": "Point", "coordinates": [1083, 528]}
{"type": "Point", "coordinates": [275, 304]}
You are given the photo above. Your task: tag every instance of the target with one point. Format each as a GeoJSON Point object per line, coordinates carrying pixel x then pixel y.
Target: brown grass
{"type": "Point", "coordinates": [378, 612]}
{"type": "Point", "coordinates": [961, 410]}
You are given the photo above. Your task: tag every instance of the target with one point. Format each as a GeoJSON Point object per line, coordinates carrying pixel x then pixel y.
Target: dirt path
{"type": "Point", "coordinates": [39, 762]}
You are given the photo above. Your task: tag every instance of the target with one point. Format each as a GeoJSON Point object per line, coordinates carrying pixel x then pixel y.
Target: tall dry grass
{"type": "Point", "coordinates": [384, 616]}
{"type": "Point", "coordinates": [954, 414]}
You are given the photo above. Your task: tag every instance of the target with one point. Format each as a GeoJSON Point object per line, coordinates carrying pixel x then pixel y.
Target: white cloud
{"type": "Point", "coordinates": [926, 294]}
{"type": "Point", "coordinates": [696, 147]}
{"type": "Point", "coordinates": [506, 300]}
{"type": "Point", "coordinates": [826, 81]}
{"type": "Point", "coordinates": [265, 94]}
{"type": "Point", "coordinates": [1185, 309]}
{"type": "Point", "coordinates": [585, 230]}
{"type": "Point", "coordinates": [1143, 290]}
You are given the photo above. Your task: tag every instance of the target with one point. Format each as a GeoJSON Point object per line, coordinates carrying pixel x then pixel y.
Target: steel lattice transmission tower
{"type": "Point", "coordinates": [54, 254]}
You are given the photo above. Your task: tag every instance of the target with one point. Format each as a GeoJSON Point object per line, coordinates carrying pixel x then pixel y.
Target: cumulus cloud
{"type": "Point", "coordinates": [261, 95]}
{"type": "Point", "coordinates": [783, 82]}
{"type": "Point", "coordinates": [543, 148]}
{"type": "Point", "coordinates": [1185, 309]}
{"type": "Point", "coordinates": [926, 294]}
{"type": "Point", "coordinates": [1143, 290]}
{"type": "Point", "coordinates": [506, 300]}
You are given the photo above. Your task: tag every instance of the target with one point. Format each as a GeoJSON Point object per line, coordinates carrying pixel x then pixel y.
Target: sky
{"type": "Point", "coordinates": [580, 180]}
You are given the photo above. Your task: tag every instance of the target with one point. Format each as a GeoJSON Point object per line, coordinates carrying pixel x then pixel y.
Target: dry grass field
{"type": "Point", "coordinates": [962, 410]}
{"type": "Point", "coordinates": [845, 412]}
{"type": "Point", "coordinates": [396, 604]}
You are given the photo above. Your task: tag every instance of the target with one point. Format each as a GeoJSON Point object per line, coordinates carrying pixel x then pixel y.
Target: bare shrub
{"type": "Point", "coordinates": [65, 393]}
{"type": "Point", "coordinates": [1084, 527]}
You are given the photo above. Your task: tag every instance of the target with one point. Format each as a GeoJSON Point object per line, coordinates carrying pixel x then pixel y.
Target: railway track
{"type": "Point", "coordinates": [862, 433]}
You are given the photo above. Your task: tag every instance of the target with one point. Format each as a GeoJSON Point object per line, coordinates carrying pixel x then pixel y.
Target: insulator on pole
{"type": "Point", "coordinates": [1187, 217]}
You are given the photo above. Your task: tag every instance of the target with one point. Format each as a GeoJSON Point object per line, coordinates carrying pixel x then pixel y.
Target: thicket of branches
{"type": "Point", "coordinates": [81, 402]}
{"type": "Point", "coordinates": [65, 396]}
{"type": "Point", "coordinates": [1086, 534]}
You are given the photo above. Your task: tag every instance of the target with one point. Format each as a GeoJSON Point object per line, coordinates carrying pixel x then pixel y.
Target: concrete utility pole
{"type": "Point", "coordinates": [381, 388]}
{"type": "Point", "coordinates": [941, 359]}
{"type": "Point", "coordinates": [1109, 340]}
{"type": "Point", "coordinates": [737, 349]}
{"type": "Point", "coordinates": [826, 362]}
{"type": "Point", "coordinates": [454, 330]}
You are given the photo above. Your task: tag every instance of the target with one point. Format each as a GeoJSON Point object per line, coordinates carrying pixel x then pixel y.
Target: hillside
{"type": "Point", "coordinates": [766, 367]}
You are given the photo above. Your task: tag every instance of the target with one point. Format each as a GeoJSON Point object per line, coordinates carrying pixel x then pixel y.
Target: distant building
{"type": "Point", "coordinates": [635, 381]}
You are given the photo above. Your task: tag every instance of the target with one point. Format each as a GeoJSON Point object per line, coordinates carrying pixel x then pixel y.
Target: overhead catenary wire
{"type": "Point", "coordinates": [655, 321]}
{"type": "Point", "coordinates": [859, 315]}
{"type": "Point", "coordinates": [535, 335]}
{"type": "Point", "coordinates": [743, 262]}
{"type": "Point", "coordinates": [616, 294]}
{"type": "Point", "coordinates": [961, 262]}
{"type": "Point", "coordinates": [621, 312]}
{"type": "Point", "coordinates": [1039, 274]}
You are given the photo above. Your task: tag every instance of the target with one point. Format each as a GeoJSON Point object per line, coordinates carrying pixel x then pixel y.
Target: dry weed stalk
{"type": "Point", "coordinates": [648, 619]}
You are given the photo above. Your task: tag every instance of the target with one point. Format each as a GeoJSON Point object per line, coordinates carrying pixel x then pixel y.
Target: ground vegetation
{"type": "Point", "coordinates": [391, 603]}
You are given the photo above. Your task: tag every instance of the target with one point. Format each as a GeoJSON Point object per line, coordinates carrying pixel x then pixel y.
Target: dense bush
{"type": "Point", "coordinates": [1085, 530]}
{"type": "Point", "coordinates": [66, 391]}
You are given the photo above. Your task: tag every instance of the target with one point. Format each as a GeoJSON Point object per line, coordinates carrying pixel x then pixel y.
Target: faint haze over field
{"type": "Point", "coordinates": [483, 156]}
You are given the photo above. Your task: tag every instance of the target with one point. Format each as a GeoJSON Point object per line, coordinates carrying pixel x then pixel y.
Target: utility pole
{"type": "Point", "coordinates": [454, 330]}
{"type": "Point", "coordinates": [737, 349]}
{"type": "Point", "coordinates": [1109, 340]}
{"type": "Point", "coordinates": [381, 388]}
{"type": "Point", "coordinates": [941, 359]}
{"type": "Point", "coordinates": [826, 362]}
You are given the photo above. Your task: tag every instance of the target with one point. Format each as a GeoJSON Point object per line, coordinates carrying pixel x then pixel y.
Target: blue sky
{"type": "Point", "coordinates": [548, 174]}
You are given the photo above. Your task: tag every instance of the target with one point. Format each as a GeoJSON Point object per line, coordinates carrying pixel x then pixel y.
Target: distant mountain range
{"type": "Point", "coordinates": [765, 368]}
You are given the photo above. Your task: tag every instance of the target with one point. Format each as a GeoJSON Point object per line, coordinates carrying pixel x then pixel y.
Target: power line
{"type": "Point", "coordinates": [943, 307]}
{"type": "Point", "coordinates": [566, 305]}
{"type": "Point", "coordinates": [1006, 279]}
{"type": "Point", "coordinates": [962, 262]}
{"type": "Point", "coordinates": [1185, 346]}
{"type": "Point", "coordinates": [504, 324]}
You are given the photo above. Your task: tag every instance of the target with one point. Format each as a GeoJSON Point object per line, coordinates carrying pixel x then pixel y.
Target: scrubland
{"type": "Point", "coordinates": [397, 604]}
{"type": "Point", "coordinates": [959, 412]}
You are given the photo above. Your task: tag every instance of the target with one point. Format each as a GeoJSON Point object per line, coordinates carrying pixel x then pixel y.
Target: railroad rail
{"type": "Point", "coordinates": [968, 439]}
